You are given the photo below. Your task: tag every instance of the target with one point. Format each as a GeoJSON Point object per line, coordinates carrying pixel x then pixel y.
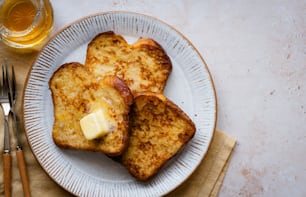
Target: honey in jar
{"type": "Point", "coordinates": [25, 24]}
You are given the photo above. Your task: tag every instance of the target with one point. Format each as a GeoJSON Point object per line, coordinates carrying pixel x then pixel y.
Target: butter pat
{"type": "Point", "coordinates": [96, 124]}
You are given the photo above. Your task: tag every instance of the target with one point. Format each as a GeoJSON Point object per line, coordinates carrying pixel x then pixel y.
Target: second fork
{"type": "Point", "coordinates": [5, 105]}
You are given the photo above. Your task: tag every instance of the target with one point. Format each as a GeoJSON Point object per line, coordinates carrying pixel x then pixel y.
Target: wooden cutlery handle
{"type": "Point", "coordinates": [7, 174]}
{"type": "Point", "coordinates": [23, 173]}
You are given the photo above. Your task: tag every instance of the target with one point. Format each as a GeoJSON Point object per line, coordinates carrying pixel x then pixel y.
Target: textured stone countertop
{"type": "Point", "coordinates": [256, 53]}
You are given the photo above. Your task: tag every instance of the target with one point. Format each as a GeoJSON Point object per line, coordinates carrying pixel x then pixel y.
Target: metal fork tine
{"type": "Point", "coordinates": [3, 81]}
{"type": "Point", "coordinates": [5, 78]}
{"type": "Point", "coordinates": [7, 88]}
{"type": "Point", "coordinates": [8, 85]}
{"type": "Point", "coordinates": [13, 82]}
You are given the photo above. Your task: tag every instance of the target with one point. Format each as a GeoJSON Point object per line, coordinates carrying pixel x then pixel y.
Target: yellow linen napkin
{"type": "Point", "coordinates": [205, 181]}
{"type": "Point", "coordinates": [208, 177]}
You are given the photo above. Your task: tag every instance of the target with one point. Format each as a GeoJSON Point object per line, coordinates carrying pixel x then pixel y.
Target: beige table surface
{"type": "Point", "coordinates": [256, 52]}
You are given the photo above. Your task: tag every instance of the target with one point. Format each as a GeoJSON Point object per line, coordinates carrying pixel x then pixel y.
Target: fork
{"type": "Point", "coordinates": [5, 105]}
{"type": "Point", "coordinates": [19, 151]}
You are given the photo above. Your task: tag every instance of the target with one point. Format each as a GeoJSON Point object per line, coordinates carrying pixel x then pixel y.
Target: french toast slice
{"type": "Point", "coordinates": [158, 130]}
{"type": "Point", "coordinates": [76, 93]}
{"type": "Point", "coordinates": [143, 66]}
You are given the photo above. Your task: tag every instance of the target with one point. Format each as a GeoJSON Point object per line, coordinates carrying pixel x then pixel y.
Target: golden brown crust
{"type": "Point", "coordinates": [143, 42]}
{"type": "Point", "coordinates": [76, 93]}
{"type": "Point", "coordinates": [158, 130]}
{"type": "Point", "coordinates": [143, 66]}
{"type": "Point", "coordinates": [122, 88]}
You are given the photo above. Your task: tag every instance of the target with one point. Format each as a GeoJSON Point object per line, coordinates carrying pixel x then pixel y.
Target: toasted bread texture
{"type": "Point", "coordinates": [76, 93]}
{"type": "Point", "coordinates": [143, 66]}
{"type": "Point", "coordinates": [159, 129]}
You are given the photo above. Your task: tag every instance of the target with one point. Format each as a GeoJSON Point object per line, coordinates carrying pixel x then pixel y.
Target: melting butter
{"type": "Point", "coordinates": [96, 124]}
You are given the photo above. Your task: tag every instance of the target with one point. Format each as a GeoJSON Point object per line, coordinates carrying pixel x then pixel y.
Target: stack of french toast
{"type": "Point", "coordinates": [114, 104]}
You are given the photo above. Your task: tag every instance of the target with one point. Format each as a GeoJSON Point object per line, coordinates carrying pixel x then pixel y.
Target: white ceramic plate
{"type": "Point", "coordinates": [93, 174]}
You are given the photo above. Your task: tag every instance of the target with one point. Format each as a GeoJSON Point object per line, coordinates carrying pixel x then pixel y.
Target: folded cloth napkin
{"type": "Point", "coordinates": [208, 177]}
{"type": "Point", "coordinates": [205, 181]}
